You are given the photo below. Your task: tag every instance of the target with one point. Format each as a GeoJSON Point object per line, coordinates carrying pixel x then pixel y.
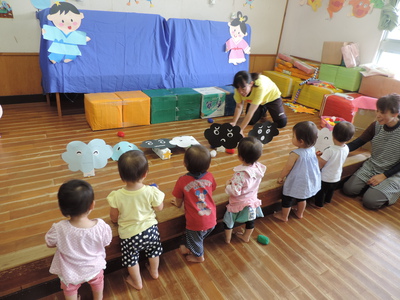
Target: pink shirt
{"type": "Point", "coordinates": [244, 186]}
{"type": "Point", "coordinates": [80, 254]}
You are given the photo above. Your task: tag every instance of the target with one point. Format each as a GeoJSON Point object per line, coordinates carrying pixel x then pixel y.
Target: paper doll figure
{"type": "Point", "coordinates": [249, 2]}
{"type": "Point", "coordinates": [236, 44]}
{"type": "Point", "coordinates": [334, 6]}
{"type": "Point", "coordinates": [264, 131]}
{"type": "Point", "coordinates": [223, 135]}
{"type": "Point", "coordinates": [121, 148]}
{"type": "Point", "coordinates": [87, 157]}
{"type": "Point", "coordinates": [324, 139]}
{"type": "Point", "coordinates": [5, 10]}
{"type": "Point", "coordinates": [66, 19]}
{"type": "Point", "coordinates": [360, 7]}
{"type": "Point", "coordinates": [315, 4]}
{"type": "Point", "coordinates": [184, 141]}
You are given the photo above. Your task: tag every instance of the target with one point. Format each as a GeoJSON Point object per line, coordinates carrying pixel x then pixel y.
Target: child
{"type": "Point", "coordinates": [331, 162]}
{"type": "Point", "coordinates": [301, 175]}
{"type": "Point", "coordinates": [133, 208]}
{"type": "Point", "coordinates": [195, 190]}
{"type": "Point", "coordinates": [244, 206]}
{"type": "Point", "coordinates": [80, 241]}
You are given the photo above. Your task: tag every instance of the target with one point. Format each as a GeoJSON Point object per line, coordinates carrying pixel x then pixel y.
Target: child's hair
{"type": "Point", "coordinates": [306, 131]}
{"type": "Point", "coordinates": [197, 159]}
{"type": "Point", "coordinates": [75, 197]}
{"type": "Point", "coordinates": [243, 78]}
{"type": "Point", "coordinates": [240, 20]}
{"type": "Point", "coordinates": [343, 131]}
{"type": "Point", "coordinates": [250, 149]}
{"type": "Point", "coordinates": [132, 166]}
{"type": "Point", "coordinates": [63, 8]}
{"type": "Point", "coordinates": [390, 103]}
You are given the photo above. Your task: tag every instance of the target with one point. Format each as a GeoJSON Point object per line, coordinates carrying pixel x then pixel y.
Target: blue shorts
{"type": "Point", "coordinates": [147, 241]}
{"type": "Point", "coordinates": [193, 240]}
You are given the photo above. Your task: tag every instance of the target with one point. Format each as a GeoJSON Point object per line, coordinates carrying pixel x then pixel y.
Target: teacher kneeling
{"type": "Point", "coordinates": [380, 174]}
{"type": "Point", "coordinates": [261, 95]}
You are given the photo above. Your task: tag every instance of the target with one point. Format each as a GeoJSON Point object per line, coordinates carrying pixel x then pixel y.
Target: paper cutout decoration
{"type": "Point", "coordinates": [324, 139]}
{"type": "Point", "coordinates": [237, 46]}
{"type": "Point", "coordinates": [64, 34]}
{"type": "Point", "coordinates": [223, 135]}
{"type": "Point", "coordinates": [264, 131]}
{"type": "Point", "coordinates": [41, 4]}
{"type": "Point", "coordinates": [87, 157]}
{"type": "Point", "coordinates": [315, 4]}
{"type": "Point", "coordinates": [121, 148]}
{"type": "Point", "coordinates": [360, 7]}
{"type": "Point", "coordinates": [6, 10]}
{"type": "Point", "coordinates": [1, 111]}
{"type": "Point", "coordinates": [184, 141]}
{"type": "Point", "coordinates": [334, 6]}
{"type": "Point", "coordinates": [300, 108]}
{"type": "Point", "coordinates": [249, 2]}
{"type": "Point", "coordinates": [160, 147]}
{"type": "Point", "coordinates": [137, 2]}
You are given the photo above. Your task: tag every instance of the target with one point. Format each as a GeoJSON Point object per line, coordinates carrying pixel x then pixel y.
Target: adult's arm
{"type": "Point", "coordinates": [364, 138]}
{"type": "Point", "coordinates": [237, 113]}
{"type": "Point", "coordinates": [249, 114]}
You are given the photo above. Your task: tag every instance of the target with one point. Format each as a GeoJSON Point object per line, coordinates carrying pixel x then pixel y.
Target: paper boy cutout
{"type": "Point", "coordinates": [223, 135]}
{"type": "Point", "coordinates": [324, 139]}
{"type": "Point", "coordinates": [87, 157]}
{"type": "Point", "coordinates": [159, 143]}
{"type": "Point", "coordinates": [184, 141]}
{"type": "Point", "coordinates": [264, 132]}
{"type": "Point", "coordinates": [121, 148]}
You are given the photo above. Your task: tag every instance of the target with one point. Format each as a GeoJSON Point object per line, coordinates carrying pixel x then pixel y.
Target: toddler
{"type": "Point", "coordinates": [331, 161]}
{"type": "Point", "coordinates": [80, 241]}
{"type": "Point", "coordinates": [133, 208]}
{"type": "Point", "coordinates": [195, 190]}
{"type": "Point", "coordinates": [301, 176]}
{"type": "Point", "coordinates": [242, 188]}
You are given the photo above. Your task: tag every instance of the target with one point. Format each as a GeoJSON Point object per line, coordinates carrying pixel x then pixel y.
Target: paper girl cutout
{"type": "Point", "coordinates": [360, 7]}
{"type": "Point", "coordinates": [334, 6]}
{"type": "Point", "coordinates": [236, 44]}
{"type": "Point", "coordinates": [87, 157]}
{"type": "Point", "coordinates": [264, 132]}
{"type": "Point", "coordinates": [184, 141]}
{"type": "Point", "coordinates": [66, 19]}
{"type": "Point", "coordinates": [121, 148]}
{"type": "Point", "coordinates": [223, 135]}
{"type": "Point", "coordinates": [324, 139]}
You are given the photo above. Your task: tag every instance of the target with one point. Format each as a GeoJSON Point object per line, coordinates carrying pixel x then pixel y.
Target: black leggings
{"type": "Point", "coordinates": [249, 225]}
{"type": "Point", "coordinates": [275, 109]}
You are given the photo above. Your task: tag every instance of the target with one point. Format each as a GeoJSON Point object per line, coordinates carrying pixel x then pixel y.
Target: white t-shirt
{"type": "Point", "coordinates": [335, 157]}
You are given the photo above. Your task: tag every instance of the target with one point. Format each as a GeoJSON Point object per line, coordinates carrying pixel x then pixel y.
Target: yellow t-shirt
{"type": "Point", "coordinates": [136, 212]}
{"type": "Point", "coordinates": [266, 91]}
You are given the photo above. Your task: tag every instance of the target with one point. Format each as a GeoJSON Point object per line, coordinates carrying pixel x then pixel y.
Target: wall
{"type": "Point", "coordinates": [22, 34]}
{"type": "Point", "coordinates": [305, 31]}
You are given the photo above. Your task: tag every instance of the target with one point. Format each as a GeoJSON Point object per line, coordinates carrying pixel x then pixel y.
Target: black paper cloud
{"type": "Point", "coordinates": [159, 143]}
{"type": "Point", "coordinates": [264, 131]}
{"type": "Point", "coordinates": [223, 135]}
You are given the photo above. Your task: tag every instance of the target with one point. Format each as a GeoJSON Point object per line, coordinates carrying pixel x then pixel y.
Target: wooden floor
{"type": "Point", "coordinates": [341, 251]}
{"type": "Point", "coordinates": [32, 140]}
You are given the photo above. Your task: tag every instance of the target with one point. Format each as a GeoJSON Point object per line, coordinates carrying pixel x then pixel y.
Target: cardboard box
{"type": "Point", "coordinates": [212, 102]}
{"type": "Point", "coordinates": [332, 53]}
{"type": "Point", "coordinates": [103, 111]}
{"type": "Point", "coordinates": [378, 86]}
{"type": "Point", "coordinates": [284, 82]}
{"type": "Point", "coordinates": [135, 108]}
{"type": "Point", "coordinates": [230, 103]}
{"type": "Point", "coordinates": [339, 105]}
{"type": "Point", "coordinates": [364, 118]}
{"type": "Point", "coordinates": [341, 77]}
{"type": "Point", "coordinates": [188, 103]}
{"type": "Point", "coordinates": [312, 96]}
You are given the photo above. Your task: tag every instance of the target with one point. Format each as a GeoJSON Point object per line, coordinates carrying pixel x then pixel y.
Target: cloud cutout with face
{"type": "Point", "coordinates": [184, 141]}
{"type": "Point", "coordinates": [158, 143]}
{"type": "Point", "coordinates": [264, 131]}
{"type": "Point", "coordinates": [121, 148]}
{"type": "Point", "coordinates": [223, 135]}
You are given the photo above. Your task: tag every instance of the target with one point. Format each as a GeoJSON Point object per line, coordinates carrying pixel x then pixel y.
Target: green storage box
{"type": "Point", "coordinates": [341, 77]}
{"type": "Point", "coordinates": [212, 102]}
{"type": "Point", "coordinates": [168, 105]}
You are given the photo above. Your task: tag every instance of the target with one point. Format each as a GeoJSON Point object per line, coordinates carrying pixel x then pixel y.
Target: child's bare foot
{"type": "Point", "coordinates": [299, 215]}
{"type": "Point", "coordinates": [240, 235]}
{"type": "Point", "coordinates": [184, 250]}
{"type": "Point", "coordinates": [278, 215]}
{"type": "Point", "coordinates": [196, 259]}
{"type": "Point", "coordinates": [133, 284]}
{"type": "Point", "coordinates": [153, 274]}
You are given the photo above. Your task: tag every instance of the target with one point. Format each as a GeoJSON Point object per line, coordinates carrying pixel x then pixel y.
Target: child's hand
{"type": "Point", "coordinates": [280, 180]}
{"type": "Point", "coordinates": [173, 202]}
{"type": "Point", "coordinates": [318, 153]}
{"type": "Point", "coordinates": [229, 182]}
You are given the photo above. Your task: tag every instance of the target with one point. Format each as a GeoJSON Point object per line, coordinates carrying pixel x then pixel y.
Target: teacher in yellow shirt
{"type": "Point", "coordinates": [260, 95]}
